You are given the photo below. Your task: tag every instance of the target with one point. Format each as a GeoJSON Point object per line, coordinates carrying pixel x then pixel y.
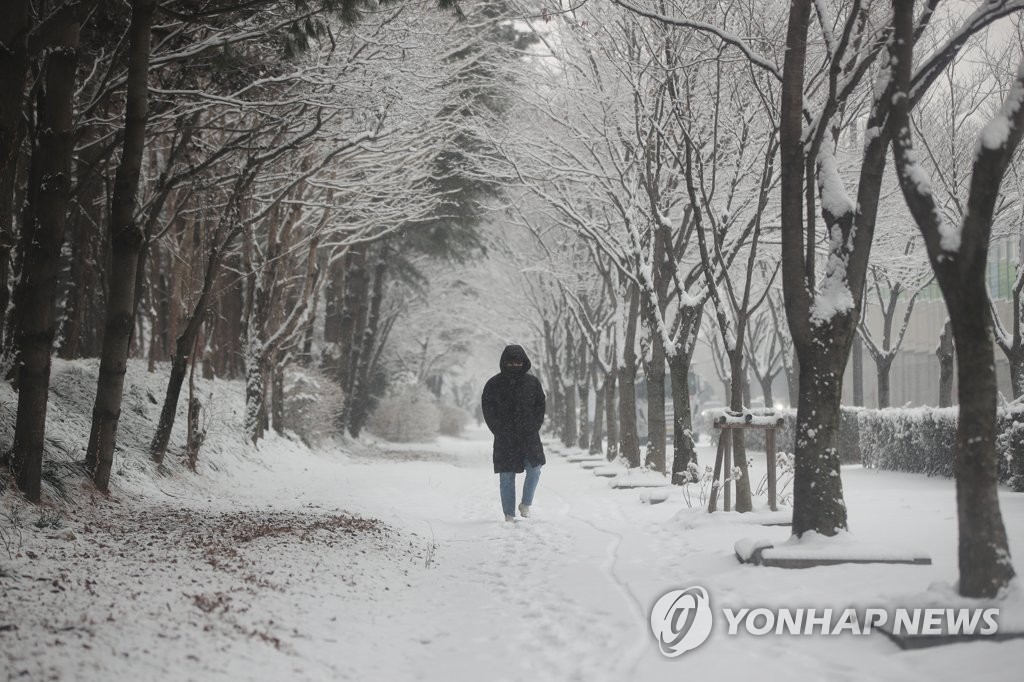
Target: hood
{"type": "Point", "coordinates": [514, 354]}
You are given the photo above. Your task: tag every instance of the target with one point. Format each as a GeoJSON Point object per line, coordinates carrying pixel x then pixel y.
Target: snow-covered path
{"type": "Point", "coordinates": [565, 595]}
{"type": "Point", "coordinates": [451, 592]}
{"type": "Point", "coordinates": [537, 599]}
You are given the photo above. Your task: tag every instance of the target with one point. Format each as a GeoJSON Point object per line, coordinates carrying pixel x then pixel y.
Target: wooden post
{"type": "Point", "coordinates": [713, 497]}
{"type": "Point", "coordinates": [723, 461]}
{"type": "Point", "coordinates": [727, 471]}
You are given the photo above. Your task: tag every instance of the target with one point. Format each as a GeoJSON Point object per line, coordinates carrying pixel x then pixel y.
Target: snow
{"type": "Point", "coordinates": [871, 134]}
{"type": "Point", "coordinates": [949, 232]}
{"type": "Point", "coordinates": [746, 547]}
{"type": "Point", "coordinates": [844, 546]}
{"type": "Point", "coordinates": [750, 419]}
{"type": "Point", "coordinates": [834, 198]}
{"type": "Point", "coordinates": [834, 296]}
{"type": "Point", "coordinates": [655, 496]}
{"type": "Point", "coordinates": [637, 478]}
{"type": "Point", "coordinates": [610, 471]}
{"type": "Point", "coordinates": [578, 457]}
{"type": "Point", "coordinates": [944, 595]}
{"type": "Point", "coordinates": [825, 22]}
{"type": "Point", "coordinates": [997, 131]}
{"type": "Point", "coordinates": [259, 569]}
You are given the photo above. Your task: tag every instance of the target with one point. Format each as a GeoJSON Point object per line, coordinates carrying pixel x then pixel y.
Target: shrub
{"type": "Point", "coordinates": [922, 440]}
{"type": "Point", "coordinates": [919, 440]}
{"type": "Point", "coordinates": [407, 414]}
{"type": "Point", "coordinates": [312, 404]}
{"type": "Point", "coordinates": [1010, 446]}
{"type": "Point", "coordinates": [453, 420]}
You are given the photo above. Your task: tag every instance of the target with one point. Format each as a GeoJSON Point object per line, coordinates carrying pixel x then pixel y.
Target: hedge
{"type": "Point", "coordinates": [920, 440]}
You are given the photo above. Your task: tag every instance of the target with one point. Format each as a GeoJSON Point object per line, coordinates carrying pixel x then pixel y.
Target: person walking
{"type": "Point", "coordinates": [513, 404]}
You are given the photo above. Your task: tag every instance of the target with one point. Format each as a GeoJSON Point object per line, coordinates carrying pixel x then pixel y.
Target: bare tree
{"type": "Point", "coordinates": [958, 254]}
{"type": "Point", "coordinates": [893, 287]}
{"type": "Point", "coordinates": [42, 234]}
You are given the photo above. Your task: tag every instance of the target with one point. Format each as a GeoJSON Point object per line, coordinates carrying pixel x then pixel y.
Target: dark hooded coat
{"type": "Point", "coordinates": [513, 406]}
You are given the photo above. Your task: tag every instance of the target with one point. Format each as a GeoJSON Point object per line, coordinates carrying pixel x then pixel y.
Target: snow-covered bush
{"type": "Point", "coordinates": [453, 420]}
{"type": "Point", "coordinates": [923, 440]}
{"type": "Point", "coordinates": [694, 476]}
{"type": "Point", "coordinates": [1010, 447]}
{"type": "Point", "coordinates": [312, 404]}
{"type": "Point", "coordinates": [918, 440]}
{"type": "Point", "coordinates": [407, 414]}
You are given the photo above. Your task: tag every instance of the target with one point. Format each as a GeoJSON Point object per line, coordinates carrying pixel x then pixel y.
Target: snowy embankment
{"type": "Point", "coordinates": [212, 575]}
{"type": "Point", "coordinates": [254, 570]}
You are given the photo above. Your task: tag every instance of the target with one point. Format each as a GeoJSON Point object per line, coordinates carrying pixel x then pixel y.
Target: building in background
{"type": "Point", "coordinates": [914, 376]}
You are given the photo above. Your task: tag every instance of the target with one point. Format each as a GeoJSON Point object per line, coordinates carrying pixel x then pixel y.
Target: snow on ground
{"type": "Point", "coordinates": [391, 562]}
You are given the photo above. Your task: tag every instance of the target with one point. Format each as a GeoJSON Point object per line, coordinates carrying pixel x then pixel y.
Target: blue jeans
{"type": "Point", "coordinates": [507, 485]}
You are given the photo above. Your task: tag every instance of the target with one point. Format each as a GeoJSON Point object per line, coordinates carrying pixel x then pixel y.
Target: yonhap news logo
{"type": "Point", "coordinates": [681, 621]}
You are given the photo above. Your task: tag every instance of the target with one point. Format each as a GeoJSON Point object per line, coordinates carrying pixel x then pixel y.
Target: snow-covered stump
{"type": "Point", "coordinates": [1008, 615]}
{"type": "Point", "coordinates": [655, 495]}
{"type": "Point", "coordinates": [578, 458]}
{"type": "Point", "coordinates": [812, 550]}
{"type": "Point", "coordinates": [609, 470]}
{"type": "Point", "coordinates": [906, 641]}
{"type": "Point", "coordinates": [639, 478]}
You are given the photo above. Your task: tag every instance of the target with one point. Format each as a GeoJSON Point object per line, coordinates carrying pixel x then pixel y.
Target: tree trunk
{"type": "Point", "coordinates": [256, 320]}
{"type": "Point", "coordinates": [793, 381]}
{"type": "Point", "coordinates": [41, 239]}
{"type": "Point", "coordinates": [984, 556]}
{"type": "Point", "coordinates": [569, 417]}
{"type": "Point", "coordinates": [583, 429]}
{"type": "Point", "coordinates": [858, 371]}
{"type": "Point", "coordinates": [683, 449]}
{"type": "Point", "coordinates": [554, 380]}
{"type": "Point", "coordinates": [334, 294]}
{"type": "Point", "coordinates": [1016, 361]}
{"type": "Point", "coordinates": [364, 401]}
{"type": "Point", "coordinates": [597, 432]}
{"type": "Point", "coordinates": [583, 409]}
{"type": "Point", "coordinates": [277, 394]}
{"type": "Point", "coordinates": [983, 552]}
{"type": "Point", "coordinates": [179, 362]}
{"type": "Point", "coordinates": [80, 285]}
{"type": "Point", "coordinates": [611, 417]}
{"type": "Point", "coordinates": [356, 288]}
{"type": "Point", "coordinates": [255, 395]}
{"type": "Point", "coordinates": [945, 352]}
{"type": "Point", "coordinates": [629, 441]}
{"type": "Point", "coordinates": [193, 437]}
{"type": "Point", "coordinates": [817, 487]}
{"type": "Point", "coordinates": [125, 242]}
{"type": "Point", "coordinates": [766, 390]}
{"type": "Point", "coordinates": [744, 503]}
{"type": "Point", "coordinates": [179, 368]}
{"type": "Point", "coordinates": [13, 72]}
{"type": "Point", "coordinates": [882, 367]}
{"type": "Point", "coordinates": [656, 431]}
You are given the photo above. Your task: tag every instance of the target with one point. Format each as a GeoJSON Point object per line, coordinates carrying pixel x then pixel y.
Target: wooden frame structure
{"type": "Point", "coordinates": [729, 422]}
